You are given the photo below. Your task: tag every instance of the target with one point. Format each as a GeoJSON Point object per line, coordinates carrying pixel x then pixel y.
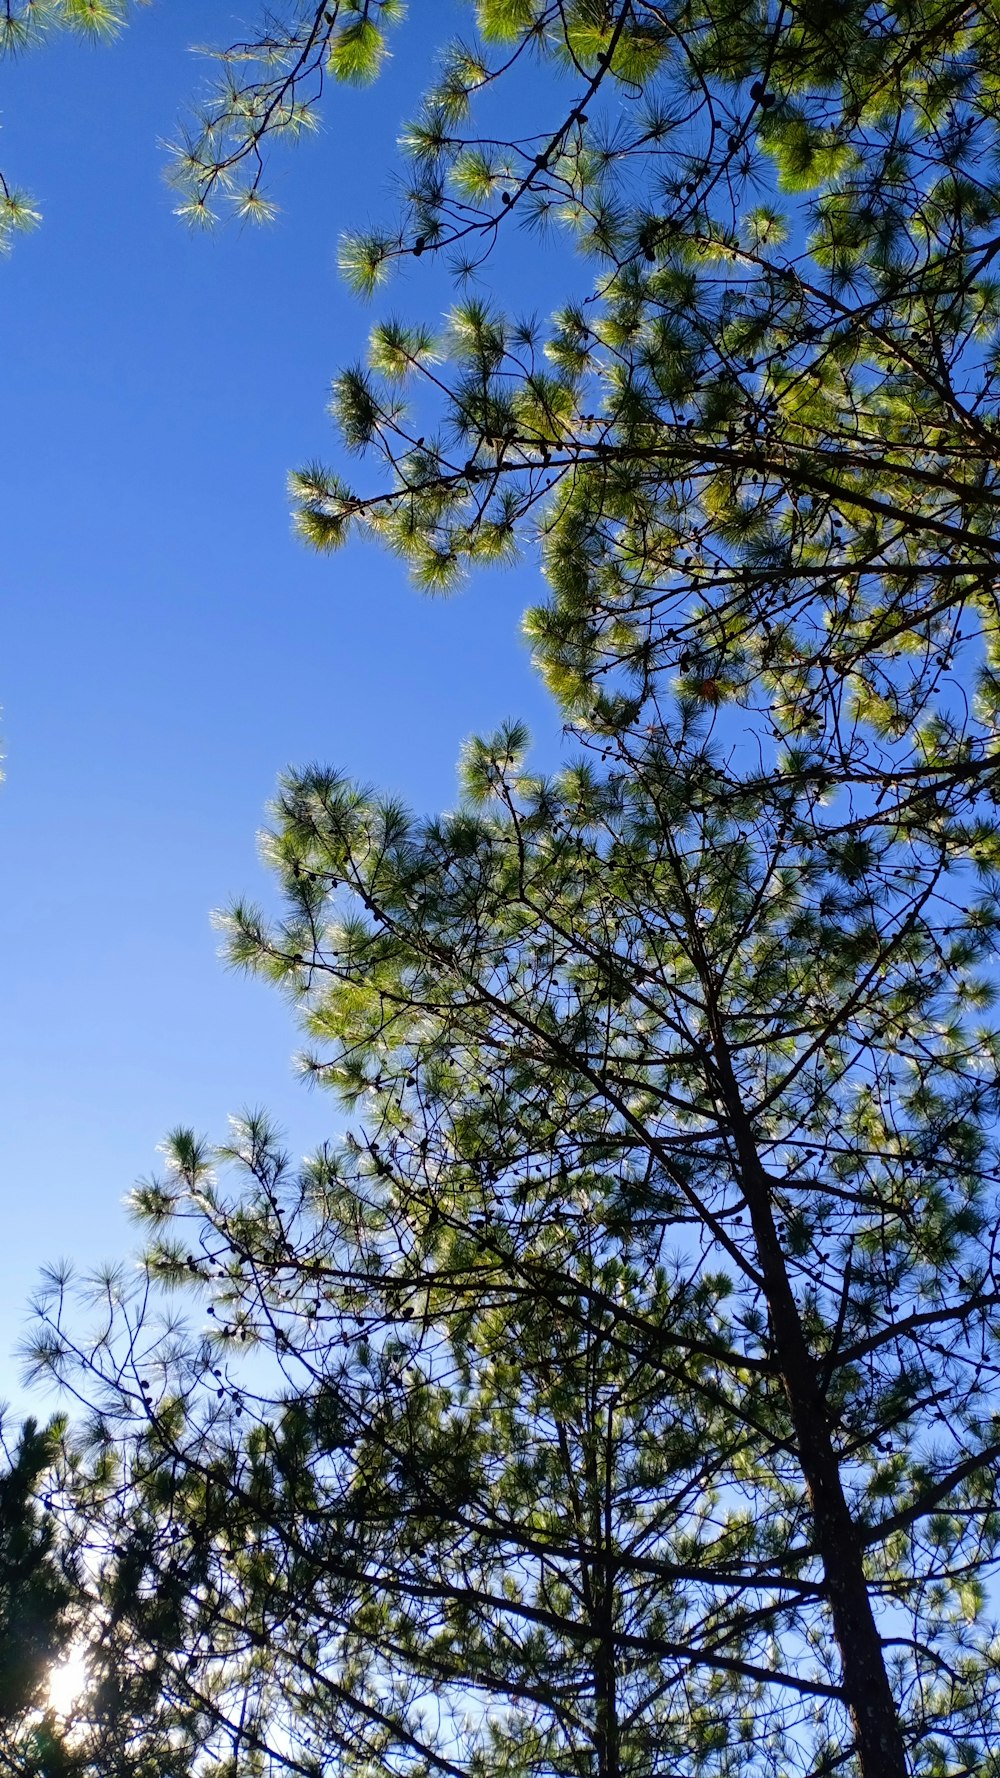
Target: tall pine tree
{"type": "Point", "coordinates": [626, 1383]}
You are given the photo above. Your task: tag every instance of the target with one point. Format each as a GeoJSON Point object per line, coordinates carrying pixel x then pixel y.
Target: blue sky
{"type": "Point", "coordinates": [166, 646]}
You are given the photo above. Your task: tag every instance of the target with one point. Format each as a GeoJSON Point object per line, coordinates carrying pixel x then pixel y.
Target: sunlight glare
{"type": "Point", "coordinates": [67, 1681]}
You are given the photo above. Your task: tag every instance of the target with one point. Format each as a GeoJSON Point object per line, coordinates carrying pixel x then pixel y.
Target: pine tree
{"type": "Point", "coordinates": [635, 1354]}
{"type": "Point", "coordinates": [620, 1396]}
{"type": "Point", "coordinates": [61, 1594]}
{"type": "Point", "coordinates": [36, 1590]}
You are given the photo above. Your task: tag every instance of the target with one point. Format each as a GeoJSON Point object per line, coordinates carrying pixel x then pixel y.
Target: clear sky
{"type": "Point", "coordinates": [166, 646]}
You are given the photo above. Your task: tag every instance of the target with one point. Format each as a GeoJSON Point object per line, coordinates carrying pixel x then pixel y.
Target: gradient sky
{"type": "Point", "coordinates": [167, 646]}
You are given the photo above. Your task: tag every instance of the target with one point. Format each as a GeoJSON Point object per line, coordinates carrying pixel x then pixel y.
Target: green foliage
{"type": "Point", "coordinates": [768, 443]}
{"type": "Point", "coordinates": [66, 1586]}
{"type": "Point", "coordinates": [23, 23]}
{"type": "Point", "coordinates": [35, 1590]}
{"type": "Point", "coordinates": [267, 92]}
{"type": "Point", "coordinates": [356, 52]}
{"type": "Point", "coordinates": [17, 214]}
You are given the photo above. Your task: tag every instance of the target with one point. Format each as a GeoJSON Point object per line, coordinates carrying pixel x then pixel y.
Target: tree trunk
{"type": "Point", "coordinates": [866, 1689]}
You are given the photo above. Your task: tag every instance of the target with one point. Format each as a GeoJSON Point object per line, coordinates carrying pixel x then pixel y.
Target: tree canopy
{"type": "Point", "coordinates": [79, 1696]}
{"type": "Point", "coordinates": [618, 1395]}
{"type": "Point", "coordinates": [36, 1589]}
